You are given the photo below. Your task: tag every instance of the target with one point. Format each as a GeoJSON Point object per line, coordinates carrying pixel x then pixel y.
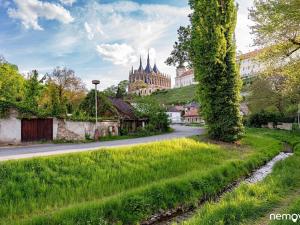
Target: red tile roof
{"type": "Point", "coordinates": [193, 112]}
{"type": "Point", "coordinates": [249, 54]}
{"type": "Point", "coordinates": [187, 73]}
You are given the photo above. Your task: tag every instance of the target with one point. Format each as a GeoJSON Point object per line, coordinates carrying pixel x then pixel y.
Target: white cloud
{"type": "Point", "coordinates": [29, 11]}
{"type": "Point", "coordinates": [89, 31]}
{"type": "Point", "coordinates": [119, 54]}
{"type": "Point", "coordinates": [67, 2]}
{"type": "Point", "coordinates": [140, 26]}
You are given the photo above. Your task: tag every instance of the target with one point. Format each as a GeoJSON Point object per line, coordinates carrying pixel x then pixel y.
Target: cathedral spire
{"type": "Point", "coordinates": [141, 64]}
{"type": "Point", "coordinates": [148, 68]}
{"type": "Point", "coordinates": [155, 69]}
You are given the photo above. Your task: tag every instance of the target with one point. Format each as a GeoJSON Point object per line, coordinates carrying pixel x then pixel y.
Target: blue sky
{"type": "Point", "coordinates": [99, 39]}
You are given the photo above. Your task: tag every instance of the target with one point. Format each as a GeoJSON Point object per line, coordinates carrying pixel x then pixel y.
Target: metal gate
{"type": "Point", "coordinates": [36, 130]}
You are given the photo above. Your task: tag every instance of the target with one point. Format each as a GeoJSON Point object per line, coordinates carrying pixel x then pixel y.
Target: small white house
{"type": "Point", "coordinates": [174, 115]}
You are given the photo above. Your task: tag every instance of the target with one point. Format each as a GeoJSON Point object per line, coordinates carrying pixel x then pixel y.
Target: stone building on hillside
{"type": "Point", "coordinates": [146, 81]}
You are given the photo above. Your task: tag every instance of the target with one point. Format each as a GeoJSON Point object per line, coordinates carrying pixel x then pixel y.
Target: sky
{"type": "Point", "coordinates": [98, 39]}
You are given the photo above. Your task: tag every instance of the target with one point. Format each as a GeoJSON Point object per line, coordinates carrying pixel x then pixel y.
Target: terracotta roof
{"type": "Point", "coordinates": [193, 112]}
{"type": "Point", "coordinates": [187, 73]}
{"type": "Point", "coordinates": [249, 54]}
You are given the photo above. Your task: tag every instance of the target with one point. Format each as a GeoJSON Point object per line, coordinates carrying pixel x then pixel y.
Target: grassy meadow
{"type": "Point", "coordinates": [252, 204]}
{"type": "Point", "coordinates": [181, 95]}
{"type": "Point", "coordinates": [125, 185]}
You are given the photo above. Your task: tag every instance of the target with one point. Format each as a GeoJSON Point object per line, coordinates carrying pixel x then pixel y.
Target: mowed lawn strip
{"type": "Point", "coordinates": [127, 184]}
{"type": "Point", "coordinates": [249, 203]}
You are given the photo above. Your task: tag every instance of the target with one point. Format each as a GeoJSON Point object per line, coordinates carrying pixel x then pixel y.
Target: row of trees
{"type": "Point", "coordinates": [57, 93]}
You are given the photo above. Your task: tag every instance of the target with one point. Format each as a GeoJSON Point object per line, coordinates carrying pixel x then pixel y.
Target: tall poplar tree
{"type": "Point", "coordinates": [214, 60]}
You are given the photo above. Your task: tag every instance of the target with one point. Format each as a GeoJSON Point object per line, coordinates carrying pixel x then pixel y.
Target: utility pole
{"type": "Point", "coordinates": [96, 82]}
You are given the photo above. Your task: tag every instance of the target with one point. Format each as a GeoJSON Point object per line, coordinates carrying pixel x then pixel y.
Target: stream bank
{"type": "Point", "coordinates": [181, 213]}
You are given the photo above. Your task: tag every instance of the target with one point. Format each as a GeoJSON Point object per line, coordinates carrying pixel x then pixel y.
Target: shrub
{"type": "Point", "coordinates": [262, 118]}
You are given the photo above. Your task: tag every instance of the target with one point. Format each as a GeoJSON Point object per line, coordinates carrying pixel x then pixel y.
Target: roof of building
{"type": "Point", "coordinates": [141, 65]}
{"type": "Point", "coordinates": [155, 69]}
{"type": "Point", "coordinates": [187, 73]}
{"type": "Point", "coordinates": [148, 68]}
{"type": "Point", "coordinates": [173, 109]}
{"type": "Point", "coordinates": [249, 55]}
{"type": "Point", "coordinates": [193, 112]}
{"type": "Point", "coordinates": [125, 109]}
{"type": "Point", "coordinates": [192, 105]}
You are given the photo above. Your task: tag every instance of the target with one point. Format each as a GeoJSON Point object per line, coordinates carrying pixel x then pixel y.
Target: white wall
{"type": "Point", "coordinates": [10, 129]}
{"type": "Point", "coordinates": [175, 117]}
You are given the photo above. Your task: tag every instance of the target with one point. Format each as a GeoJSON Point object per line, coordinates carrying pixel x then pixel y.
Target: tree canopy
{"type": "Point", "coordinates": [11, 83]}
{"type": "Point", "coordinates": [214, 61]}
{"type": "Point", "coordinates": [277, 25]}
{"type": "Point", "coordinates": [180, 54]}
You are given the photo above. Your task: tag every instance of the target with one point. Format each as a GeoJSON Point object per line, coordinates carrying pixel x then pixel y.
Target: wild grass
{"type": "Point", "coordinates": [124, 185]}
{"type": "Point", "coordinates": [250, 202]}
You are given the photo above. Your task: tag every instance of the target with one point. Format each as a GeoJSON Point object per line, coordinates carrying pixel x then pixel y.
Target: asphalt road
{"type": "Point", "coordinates": [12, 153]}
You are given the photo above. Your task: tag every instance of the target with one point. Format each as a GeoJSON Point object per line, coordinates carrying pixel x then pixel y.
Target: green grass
{"type": "Point", "coordinates": [252, 203]}
{"type": "Point", "coordinates": [124, 185]}
{"type": "Point", "coordinates": [181, 95]}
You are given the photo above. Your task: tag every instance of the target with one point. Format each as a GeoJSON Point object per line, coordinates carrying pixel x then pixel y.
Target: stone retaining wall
{"type": "Point", "coordinates": [71, 130]}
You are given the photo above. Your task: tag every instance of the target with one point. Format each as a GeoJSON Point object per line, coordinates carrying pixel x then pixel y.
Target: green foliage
{"type": "Point", "coordinates": [32, 91]}
{"type": "Point", "coordinates": [122, 89]}
{"type": "Point", "coordinates": [180, 54]}
{"type": "Point", "coordinates": [105, 107]}
{"type": "Point", "coordinates": [214, 60]}
{"type": "Point", "coordinates": [125, 185]}
{"type": "Point", "coordinates": [11, 83]}
{"type": "Point", "coordinates": [277, 21]}
{"type": "Point", "coordinates": [157, 118]}
{"type": "Point", "coordinates": [175, 96]}
{"type": "Point", "coordinates": [64, 92]}
{"type": "Point", "coordinates": [262, 118]}
{"type": "Point", "coordinates": [23, 109]}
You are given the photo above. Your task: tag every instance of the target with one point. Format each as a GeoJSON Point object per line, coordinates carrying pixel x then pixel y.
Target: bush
{"type": "Point", "coordinates": [263, 118]}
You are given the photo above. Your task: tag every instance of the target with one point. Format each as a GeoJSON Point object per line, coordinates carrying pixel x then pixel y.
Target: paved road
{"type": "Point", "coordinates": [11, 153]}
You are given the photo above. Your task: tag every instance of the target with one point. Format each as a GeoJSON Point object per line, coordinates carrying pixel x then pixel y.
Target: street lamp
{"type": "Point", "coordinates": [96, 82]}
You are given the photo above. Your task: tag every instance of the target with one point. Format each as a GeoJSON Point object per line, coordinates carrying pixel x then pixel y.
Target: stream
{"type": "Point", "coordinates": [181, 214]}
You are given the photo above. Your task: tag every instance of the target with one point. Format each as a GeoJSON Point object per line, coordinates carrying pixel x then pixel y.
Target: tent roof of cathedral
{"type": "Point", "coordinates": [155, 69]}
{"type": "Point", "coordinates": [141, 65]}
{"type": "Point", "coordinates": [148, 68]}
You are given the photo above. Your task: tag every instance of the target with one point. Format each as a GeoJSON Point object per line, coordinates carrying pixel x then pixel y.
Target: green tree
{"type": "Point", "coordinates": [146, 107]}
{"type": "Point", "coordinates": [214, 60]}
{"type": "Point", "coordinates": [11, 83]}
{"type": "Point", "coordinates": [104, 109]}
{"type": "Point", "coordinates": [32, 90]}
{"type": "Point", "coordinates": [111, 91]}
{"type": "Point", "coordinates": [180, 54]}
{"type": "Point", "coordinates": [277, 26]}
{"type": "Point", "coordinates": [69, 88]}
{"type": "Point", "coordinates": [122, 89]}
{"type": "Point", "coordinates": [277, 31]}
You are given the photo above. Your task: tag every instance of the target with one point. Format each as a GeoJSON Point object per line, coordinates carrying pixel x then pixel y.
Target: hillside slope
{"type": "Point", "coordinates": [176, 96]}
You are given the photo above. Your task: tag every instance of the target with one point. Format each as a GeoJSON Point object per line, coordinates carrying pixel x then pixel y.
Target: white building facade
{"type": "Point", "coordinates": [184, 77]}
